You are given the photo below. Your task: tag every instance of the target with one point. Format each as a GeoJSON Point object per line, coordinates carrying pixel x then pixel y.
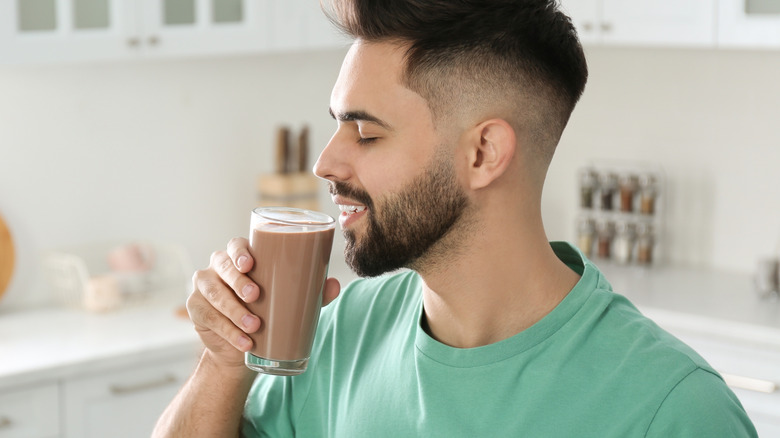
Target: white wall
{"type": "Point", "coordinates": [170, 150]}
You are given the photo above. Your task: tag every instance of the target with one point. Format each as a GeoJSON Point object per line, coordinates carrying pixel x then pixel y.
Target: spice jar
{"type": "Point", "coordinates": [588, 185]}
{"type": "Point", "coordinates": [647, 194]}
{"type": "Point", "coordinates": [628, 187]}
{"type": "Point", "coordinates": [604, 231]}
{"type": "Point", "coordinates": [623, 244]}
{"type": "Point", "coordinates": [586, 231]}
{"type": "Point", "coordinates": [645, 242]}
{"type": "Point", "coordinates": [607, 187]}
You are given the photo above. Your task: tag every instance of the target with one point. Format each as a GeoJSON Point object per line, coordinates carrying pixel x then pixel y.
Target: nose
{"type": "Point", "coordinates": [333, 163]}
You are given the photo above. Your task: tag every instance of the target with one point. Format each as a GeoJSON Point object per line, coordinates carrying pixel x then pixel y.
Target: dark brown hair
{"type": "Point", "coordinates": [524, 52]}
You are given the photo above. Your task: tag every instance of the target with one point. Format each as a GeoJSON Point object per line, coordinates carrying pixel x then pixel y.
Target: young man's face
{"type": "Point", "coordinates": [389, 170]}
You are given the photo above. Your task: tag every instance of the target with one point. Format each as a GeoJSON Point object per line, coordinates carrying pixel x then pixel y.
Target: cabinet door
{"type": "Point", "coordinates": [660, 22]}
{"type": "Point", "coordinates": [749, 23]}
{"type": "Point", "coordinates": [31, 411]}
{"type": "Point", "coordinates": [641, 22]}
{"type": "Point", "coordinates": [124, 403]}
{"type": "Point", "coordinates": [65, 30]}
{"type": "Point", "coordinates": [203, 27]}
{"type": "Point", "coordinates": [301, 24]}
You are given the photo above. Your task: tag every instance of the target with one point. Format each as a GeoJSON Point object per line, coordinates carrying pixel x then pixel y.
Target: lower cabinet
{"type": "Point", "coordinates": [123, 403]}
{"type": "Point", "coordinates": [115, 402]}
{"type": "Point", "coordinates": [30, 412]}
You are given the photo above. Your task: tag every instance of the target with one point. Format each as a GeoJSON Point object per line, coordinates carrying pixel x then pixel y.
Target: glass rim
{"type": "Point", "coordinates": [311, 217]}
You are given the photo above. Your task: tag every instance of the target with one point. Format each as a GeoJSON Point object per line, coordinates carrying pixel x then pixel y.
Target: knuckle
{"type": "Point", "coordinates": [216, 257]}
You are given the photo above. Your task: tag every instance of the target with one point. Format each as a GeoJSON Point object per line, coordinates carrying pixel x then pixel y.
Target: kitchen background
{"type": "Point", "coordinates": [126, 131]}
{"type": "Point", "coordinates": [170, 150]}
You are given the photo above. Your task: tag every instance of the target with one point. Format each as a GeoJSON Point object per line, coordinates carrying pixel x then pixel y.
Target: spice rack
{"type": "Point", "coordinates": [620, 210]}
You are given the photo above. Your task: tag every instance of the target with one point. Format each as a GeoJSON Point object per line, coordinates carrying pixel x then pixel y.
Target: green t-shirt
{"type": "Point", "coordinates": [593, 367]}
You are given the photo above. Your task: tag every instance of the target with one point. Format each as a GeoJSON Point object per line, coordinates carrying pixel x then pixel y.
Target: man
{"type": "Point", "coordinates": [448, 115]}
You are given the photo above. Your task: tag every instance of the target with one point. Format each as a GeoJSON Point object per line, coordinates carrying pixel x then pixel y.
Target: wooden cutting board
{"type": "Point", "coordinates": [6, 257]}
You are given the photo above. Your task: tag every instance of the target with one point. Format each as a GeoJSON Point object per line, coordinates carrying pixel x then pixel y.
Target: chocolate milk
{"type": "Point", "coordinates": [290, 268]}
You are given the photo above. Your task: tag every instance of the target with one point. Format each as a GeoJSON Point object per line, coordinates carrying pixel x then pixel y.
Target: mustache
{"type": "Point", "coordinates": [338, 188]}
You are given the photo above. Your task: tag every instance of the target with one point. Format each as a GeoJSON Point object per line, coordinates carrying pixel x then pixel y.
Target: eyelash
{"type": "Point", "coordinates": [365, 141]}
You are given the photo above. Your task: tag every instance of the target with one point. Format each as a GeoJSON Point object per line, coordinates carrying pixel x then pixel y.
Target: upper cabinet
{"type": "Point", "coordinates": [301, 24]}
{"type": "Point", "coordinates": [76, 30]}
{"type": "Point", "coordinates": [685, 23]}
{"type": "Point", "coordinates": [749, 23]}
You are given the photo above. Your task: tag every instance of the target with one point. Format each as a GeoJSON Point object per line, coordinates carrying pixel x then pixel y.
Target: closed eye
{"type": "Point", "coordinates": [367, 140]}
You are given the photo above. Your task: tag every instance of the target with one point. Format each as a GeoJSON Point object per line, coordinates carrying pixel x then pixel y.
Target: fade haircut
{"type": "Point", "coordinates": [516, 59]}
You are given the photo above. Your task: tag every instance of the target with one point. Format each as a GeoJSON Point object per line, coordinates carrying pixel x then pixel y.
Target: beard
{"type": "Point", "coordinates": [408, 229]}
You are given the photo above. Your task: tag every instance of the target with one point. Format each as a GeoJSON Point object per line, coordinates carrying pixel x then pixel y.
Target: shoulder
{"type": "Point", "coordinates": [367, 304]}
{"type": "Point", "coordinates": [701, 405]}
{"type": "Point", "coordinates": [390, 290]}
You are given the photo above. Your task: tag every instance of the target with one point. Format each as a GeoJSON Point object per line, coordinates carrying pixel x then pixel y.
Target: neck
{"type": "Point", "coordinates": [506, 280]}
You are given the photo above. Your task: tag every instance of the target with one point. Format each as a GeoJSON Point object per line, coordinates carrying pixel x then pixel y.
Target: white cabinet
{"type": "Point", "coordinates": [639, 22]}
{"type": "Point", "coordinates": [749, 23]}
{"type": "Point", "coordinates": [121, 403]}
{"type": "Point", "coordinates": [30, 411]}
{"type": "Point", "coordinates": [77, 30]}
{"type": "Point", "coordinates": [301, 24]}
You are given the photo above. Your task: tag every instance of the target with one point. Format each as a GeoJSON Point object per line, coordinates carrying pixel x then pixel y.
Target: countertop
{"type": "Point", "coordinates": [56, 343]}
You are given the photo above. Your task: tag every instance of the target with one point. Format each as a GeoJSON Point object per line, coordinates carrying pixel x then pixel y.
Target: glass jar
{"type": "Point", "coordinates": [645, 244]}
{"type": "Point", "coordinates": [588, 185]}
{"type": "Point", "coordinates": [647, 194]}
{"type": "Point", "coordinates": [608, 183]}
{"type": "Point", "coordinates": [628, 187]}
{"type": "Point", "coordinates": [604, 232]}
{"type": "Point", "coordinates": [586, 232]}
{"type": "Point", "coordinates": [623, 244]}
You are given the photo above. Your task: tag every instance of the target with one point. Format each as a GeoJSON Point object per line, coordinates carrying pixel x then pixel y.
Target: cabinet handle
{"type": "Point", "coordinates": [133, 42]}
{"type": "Point", "coordinates": [5, 422]}
{"type": "Point", "coordinates": [606, 27]}
{"type": "Point", "coordinates": [587, 26]}
{"type": "Point", "coordinates": [153, 40]}
{"type": "Point", "coordinates": [750, 383]}
{"type": "Point", "coordinates": [129, 389]}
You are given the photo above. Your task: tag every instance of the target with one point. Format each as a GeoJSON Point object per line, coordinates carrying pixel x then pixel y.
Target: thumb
{"type": "Point", "coordinates": [331, 291]}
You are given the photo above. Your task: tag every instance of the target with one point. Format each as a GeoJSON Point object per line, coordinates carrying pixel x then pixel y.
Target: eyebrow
{"type": "Point", "coordinates": [359, 116]}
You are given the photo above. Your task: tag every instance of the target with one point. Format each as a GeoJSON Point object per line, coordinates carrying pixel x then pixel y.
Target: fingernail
{"type": "Point", "coordinates": [245, 343]}
{"type": "Point", "coordinates": [247, 320]}
{"type": "Point", "coordinates": [242, 261]}
{"type": "Point", "coordinates": [246, 290]}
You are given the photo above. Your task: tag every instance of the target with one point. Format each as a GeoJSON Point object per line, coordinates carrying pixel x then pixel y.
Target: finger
{"type": "Point", "coordinates": [224, 300]}
{"type": "Point", "coordinates": [243, 286]}
{"type": "Point", "coordinates": [208, 321]}
{"type": "Point", "coordinates": [331, 291]}
{"type": "Point", "coordinates": [238, 250]}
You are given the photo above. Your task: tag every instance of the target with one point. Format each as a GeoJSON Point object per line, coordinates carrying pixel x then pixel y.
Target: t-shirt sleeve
{"type": "Point", "coordinates": [701, 405]}
{"type": "Point", "coordinates": [267, 410]}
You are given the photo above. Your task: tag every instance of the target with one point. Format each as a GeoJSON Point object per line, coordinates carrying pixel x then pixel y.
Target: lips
{"type": "Point", "coordinates": [350, 213]}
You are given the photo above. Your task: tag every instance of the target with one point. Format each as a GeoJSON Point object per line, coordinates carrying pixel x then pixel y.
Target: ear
{"type": "Point", "coordinates": [490, 152]}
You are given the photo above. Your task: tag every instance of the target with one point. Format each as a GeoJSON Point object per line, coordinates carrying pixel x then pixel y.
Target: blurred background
{"type": "Point", "coordinates": [152, 121]}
